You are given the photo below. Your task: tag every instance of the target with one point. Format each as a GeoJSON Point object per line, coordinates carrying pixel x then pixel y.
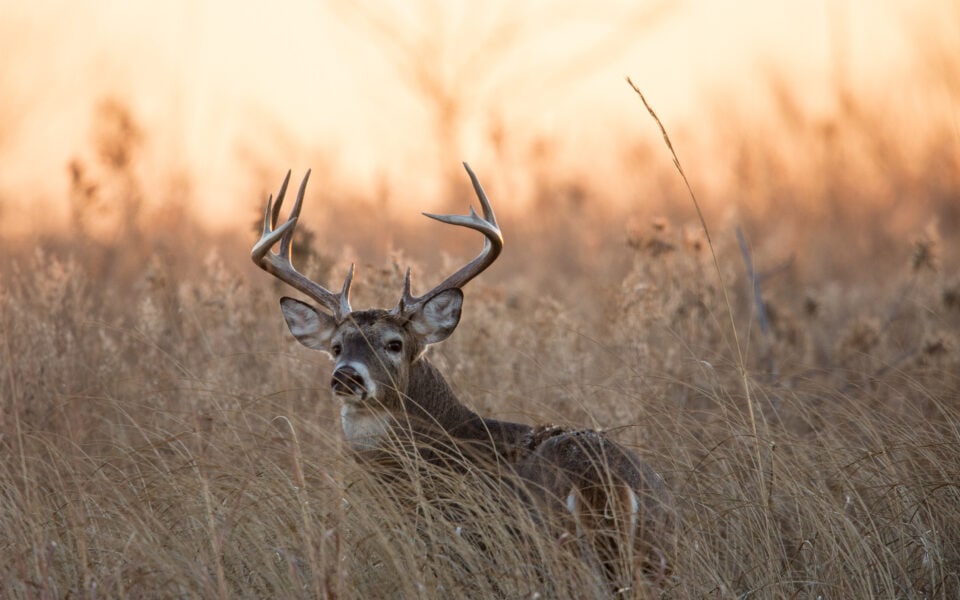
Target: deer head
{"type": "Point", "coordinates": [376, 351]}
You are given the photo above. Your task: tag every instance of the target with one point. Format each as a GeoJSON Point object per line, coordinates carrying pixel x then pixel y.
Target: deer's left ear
{"type": "Point", "coordinates": [438, 316]}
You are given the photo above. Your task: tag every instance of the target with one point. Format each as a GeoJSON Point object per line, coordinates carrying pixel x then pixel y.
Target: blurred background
{"type": "Point", "coordinates": [161, 430]}
{"type": "Point", "coordinates": [793, 119]}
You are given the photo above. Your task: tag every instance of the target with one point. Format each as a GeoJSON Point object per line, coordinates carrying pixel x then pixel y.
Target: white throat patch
{"type": "Point", "coordinates": [364, 428]}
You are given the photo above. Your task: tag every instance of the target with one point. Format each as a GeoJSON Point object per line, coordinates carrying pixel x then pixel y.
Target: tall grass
{"type": "Point", "coordinates": [161, 435]}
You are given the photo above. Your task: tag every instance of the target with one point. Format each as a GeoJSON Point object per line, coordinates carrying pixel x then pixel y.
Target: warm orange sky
{"type": "Point", "coordinates": [213, 81]}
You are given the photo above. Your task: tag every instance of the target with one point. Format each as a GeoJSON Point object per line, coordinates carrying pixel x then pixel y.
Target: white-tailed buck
{"type": "Point", "coordinates": [389, 390]}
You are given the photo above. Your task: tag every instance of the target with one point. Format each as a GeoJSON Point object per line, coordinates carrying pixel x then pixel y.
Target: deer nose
{"type": "Point", "coordinates": [347, 381]}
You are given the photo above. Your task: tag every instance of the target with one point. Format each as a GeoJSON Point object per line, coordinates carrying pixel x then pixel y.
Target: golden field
{"type": "Point", "coordinates": [162, 434]}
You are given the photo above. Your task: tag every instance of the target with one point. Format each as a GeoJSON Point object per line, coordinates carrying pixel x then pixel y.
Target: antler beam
{"type": "Point", "coordinates": [492, 245]}
{"type": "Point", "coordinates": [279, 264]}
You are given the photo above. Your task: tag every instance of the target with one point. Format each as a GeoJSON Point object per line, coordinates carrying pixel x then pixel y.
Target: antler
{"type": "Point", "coordinates": [279, 265]}
{"type": "Point", "coordinates": [492, 245]}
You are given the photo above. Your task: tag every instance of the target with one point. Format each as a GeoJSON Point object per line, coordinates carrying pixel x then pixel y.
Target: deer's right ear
{"type": "Point", "coordinates": [312, 328]}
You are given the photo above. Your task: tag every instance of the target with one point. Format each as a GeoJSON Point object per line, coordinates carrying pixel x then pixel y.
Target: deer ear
{"type": "Point", "coordinates": [312, 328]}
{"type": "Point", "coordinates": [438, 316]}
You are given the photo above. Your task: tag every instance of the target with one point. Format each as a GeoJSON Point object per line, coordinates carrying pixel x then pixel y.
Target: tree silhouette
{"type": "Point", "coordinates": [456, 58]}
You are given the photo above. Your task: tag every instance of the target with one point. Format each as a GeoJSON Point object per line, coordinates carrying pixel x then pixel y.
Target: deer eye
{"type": "Point", "coordinates": [395, 346]}
{"type": "Point", "coordinates": [336, 349]}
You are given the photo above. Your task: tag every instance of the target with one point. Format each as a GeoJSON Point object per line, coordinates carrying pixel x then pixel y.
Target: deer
{"type": "Point", "coordinates": [388, 388]}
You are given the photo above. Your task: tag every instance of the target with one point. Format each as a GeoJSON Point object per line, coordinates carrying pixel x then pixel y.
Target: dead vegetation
{"type": "Point", "coordinates": [162, 436]}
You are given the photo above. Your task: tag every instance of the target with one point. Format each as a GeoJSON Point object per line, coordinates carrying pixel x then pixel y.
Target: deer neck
{"type": "Point", "coordinates": [432, 402]}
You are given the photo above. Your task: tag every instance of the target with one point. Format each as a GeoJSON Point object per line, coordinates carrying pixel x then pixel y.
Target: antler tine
{"type": "Point", "coordinates": [344, 295]}
{"type": "Point", "coordinates": [492, 245]}
{"type": "Point", "coordinates": [287, 240]}
{"type": "Point", "coordinates": [275, 215]}
{"type": "Point", "coordinates": [281, 266]}
{"type": "Point", "coordinates": [484, 202]}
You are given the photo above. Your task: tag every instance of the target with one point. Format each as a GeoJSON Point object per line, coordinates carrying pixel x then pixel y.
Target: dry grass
{"type": "Point", "coordinates": [161, 435]}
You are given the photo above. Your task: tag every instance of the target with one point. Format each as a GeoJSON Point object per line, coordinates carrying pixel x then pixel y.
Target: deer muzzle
{"type": "Point", "coordinates": [347, 381]}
